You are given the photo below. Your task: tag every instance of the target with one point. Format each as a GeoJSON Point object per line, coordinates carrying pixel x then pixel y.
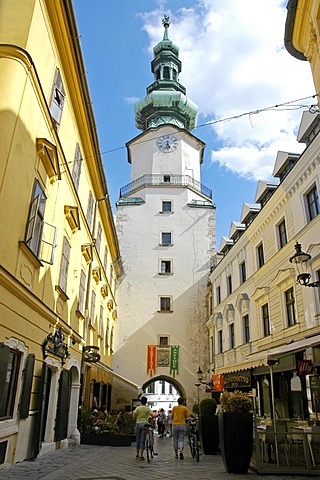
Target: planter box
{"type": "Point", "coordinates": [106, 439]}
{"type": "Point", "coordinates": [236, 439]}
{"type": "Point", "coordinates": [209, 434]}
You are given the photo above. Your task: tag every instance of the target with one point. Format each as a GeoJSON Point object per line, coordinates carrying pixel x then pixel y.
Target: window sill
{"type": "Point", "coordinates": [166, 274]}
{"type": "Point", "coordinates": [61, 293]}
{"type": "Point", "coordinates": [165, 244]}
{"type": "Point", "coordinates": [29, 253]}
{"type": "Point", "coordinates": [165, 311]}
{"type": "Point", "coordinates": [166, 213]}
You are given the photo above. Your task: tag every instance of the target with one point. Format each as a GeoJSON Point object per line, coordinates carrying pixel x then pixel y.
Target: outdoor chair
{"type": "Point", "coordinates": [314, 441]}
{"type": "Point", "coordinates": [270, 438]}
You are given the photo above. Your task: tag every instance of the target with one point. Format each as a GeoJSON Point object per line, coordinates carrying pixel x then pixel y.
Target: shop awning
{"type": "Point", "coordinates": [263, 358]}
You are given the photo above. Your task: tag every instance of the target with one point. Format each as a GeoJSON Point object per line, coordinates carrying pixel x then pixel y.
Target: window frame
{"type": "Point", "coordinates": [282, 234]}
{"type": "Point", "coordinates": [165, 210]}
{"type": "Point", "coordinates": [290, 307]}
{"type": "Point", "coordinates": [166, 263]}
{"type": "Point", "coordinates": [165, 301]}
{"type": "Point", "coordinates": [9, 394]}
{"type": "Point", "coordinates": [265, 317]}
{"type": "Point", "coordinates": [162, 242]}
{"type": "Point", "coordinates": [82, 292]}
{"type": "Point", "coordinates": [64, 265]}
{"type": "Point", "coordinates": [220, 341]}
{"type": "Point", "coordinates": [231, 335]}
{"type": "Point", "coordinates": [57, 99]}
{"type": "Point", "coordinates": [218, 294]}
{"type": "Point", "coordinates": [246, 328]}
{"type": "Point", "coordinates": [229, 284]}
{"type": "Point", "coordinates": [260, 255]}
{"type": "Point", "coordinates": [35, 222]}
{"type": "Point", "coordinates": [76, 170]}
{"type": "Point", "coordinates": [243, 272]}
{"type": "Point", "coordinates": [312, 204]}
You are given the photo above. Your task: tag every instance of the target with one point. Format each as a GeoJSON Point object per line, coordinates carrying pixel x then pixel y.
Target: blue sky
{"type": "Point", "coordinates": [233, 62]}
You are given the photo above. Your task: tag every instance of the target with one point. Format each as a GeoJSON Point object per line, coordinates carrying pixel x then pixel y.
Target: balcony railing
{"type": "Point", "coordinates": [165, 180]}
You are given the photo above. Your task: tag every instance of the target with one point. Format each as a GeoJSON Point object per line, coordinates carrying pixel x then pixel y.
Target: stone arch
{"type": "Point", "coordinates": [229, 312]}
{"type": "Point", "coordinates": [242, 302]}
{"type": "Point", "coordinates": [177, 385]}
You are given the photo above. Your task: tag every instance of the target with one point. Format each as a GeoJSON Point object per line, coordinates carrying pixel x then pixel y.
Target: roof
{"type": "Point", "coordinates": [264, 187]}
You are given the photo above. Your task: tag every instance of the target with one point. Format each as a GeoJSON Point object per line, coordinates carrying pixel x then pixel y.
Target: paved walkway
{"type": "Point", "coordinates": [86, 462]}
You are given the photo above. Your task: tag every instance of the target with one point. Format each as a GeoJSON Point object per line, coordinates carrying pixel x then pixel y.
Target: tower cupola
{"type": "Point", "coordinates": [166, 101]}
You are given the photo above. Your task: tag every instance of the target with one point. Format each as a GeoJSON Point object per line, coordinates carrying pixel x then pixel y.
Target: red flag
{"type": "Point", "coordinates": [151, 360]}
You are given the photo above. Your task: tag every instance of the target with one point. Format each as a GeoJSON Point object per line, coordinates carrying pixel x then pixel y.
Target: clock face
{"type": "Point", "coordinates": [167, 143]}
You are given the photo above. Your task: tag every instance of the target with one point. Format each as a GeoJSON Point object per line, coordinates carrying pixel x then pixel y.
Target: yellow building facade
{"type": "Point", "coordinates": [59, 256]}
{"type": "Point", "coordinates": [302, 34]}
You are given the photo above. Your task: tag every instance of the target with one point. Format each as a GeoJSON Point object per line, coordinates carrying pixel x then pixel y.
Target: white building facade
{"type": "Point", "coordinates": [166, 229]}
{"type": "Point", "coordinates": [261, 315]}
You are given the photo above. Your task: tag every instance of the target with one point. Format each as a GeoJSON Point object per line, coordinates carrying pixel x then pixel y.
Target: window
{"type": "Point", "coordinates": [35, 220]}
{"type": "Point", "coordinates": [64, 267]}
{"type": "Point", "coordinates": [166, 178]}
{"type": "Point", "coordinates": [246, 329]}
{"type": "Point", "coordinates": [210, 305]}
{"type": "Point", "coordinates": [100, 321]}
{"type": "Point", "coordinates": [111, 339]}
{"type": "Point", "coordinates": [105, 259]}
{"type": "Point", "coordinates": [231, 335]}
{"type": "Point", "coordinates": [165, 304]}
{"type": "Point", "coordinates": [260, 255]}
{"type": "Point", "coordinates": [170, 389]}
{"type": "Point", "coordinates": [166, 207]}
{"type": "Point", "coordinates": [150, 388]}
{"type": "Point", "coordinates": [93, 306]}
{"type": "Point", "coordinates": [163, 387]}
{"type": "Point", "coordinates": [166, 238]}
{"type": "Point", "coordinates": [57, 100]}
{"type": "Point", "coordinates": [218, 294]}
{"type": "Point", "coordinates": [165, 267]}
{"type": "Point", "coordinates": [289, 298]}
{"type": "Point", "coordinates": [9, 363]}
{"type": "Point", "coordinates": [76, 171]}
{"type": "Point", "coordinates": [229, 284]}
{"type": "Point", "coordinates": [312, 203]}
{"type": "Point", "coordinates": [243, 272]}
{"type": "Point", "coordinates": [163, 341]}
{"type": "Point", "coordinates": [82, 290]}
{"type": "Point", "coordinates": [265, 320]}
{"type": "Point", "coordinates": [220, 341]}
{"type": "Point", "coordinates": [282, 234]}
{"type": "Point", "coordinates": [90, 210]}
{"type": "Point", "coordinates": [107, 333]}
{"type": "Point", "coordinates": [98, 239]}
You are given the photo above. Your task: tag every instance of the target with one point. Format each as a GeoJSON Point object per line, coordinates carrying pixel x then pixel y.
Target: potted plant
{"type": "Point", "coordinates": [236, 431]}
{"type": "Point", "coordinates": [102, 428]}
{"type": "Point", "coordinates": [209, 426]}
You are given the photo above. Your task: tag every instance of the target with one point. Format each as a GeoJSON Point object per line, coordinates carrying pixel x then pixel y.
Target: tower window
{"type": "Point", "coordinates": [166, 178]}
{"type": "Point", "coordinates": [166, 73]}
{"type": "Point", "coordinates": [166, 238]}
{"type": "Point", "coordinates": [165, 304]}
{"type": "Point", "coordinates": [166, 207]}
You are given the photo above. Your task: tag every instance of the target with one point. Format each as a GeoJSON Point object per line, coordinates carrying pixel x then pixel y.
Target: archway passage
{"type": "Point", "coordinates": [163, 392]}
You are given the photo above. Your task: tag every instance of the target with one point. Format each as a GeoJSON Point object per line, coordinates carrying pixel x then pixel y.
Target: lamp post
{"type": "Point", "coordinates": [300, 261]}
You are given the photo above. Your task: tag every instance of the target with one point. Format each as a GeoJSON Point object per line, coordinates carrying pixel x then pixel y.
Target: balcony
{"type": "Point", "coordinates": [167, 180]}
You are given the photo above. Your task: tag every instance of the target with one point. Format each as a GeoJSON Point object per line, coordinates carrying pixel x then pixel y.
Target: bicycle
{"type": "Point", "coordinates": [149, 442]}
{"type": "Point", "coordinates": [193, 439]}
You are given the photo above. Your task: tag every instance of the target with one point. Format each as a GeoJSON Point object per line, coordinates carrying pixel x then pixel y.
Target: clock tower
{"type": "Point", "coordinates": [166, 229]}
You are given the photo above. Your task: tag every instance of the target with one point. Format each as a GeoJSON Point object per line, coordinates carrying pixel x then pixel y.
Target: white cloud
{"type": "Point", "coordinates": [234, 61]}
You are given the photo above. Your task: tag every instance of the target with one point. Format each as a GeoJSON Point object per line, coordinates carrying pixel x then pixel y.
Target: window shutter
{"type": "Point", "coordinates": [61, 428]}
{"type": "Point", "coordinates": [26, 387]}
{"type": "Point", "coordinates": [32, 218]}
{"type": "Point", "coordinates": [4, 358]}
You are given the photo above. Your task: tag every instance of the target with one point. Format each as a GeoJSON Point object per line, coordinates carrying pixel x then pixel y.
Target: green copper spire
{"type": "Point", "coordinates": [166, 101]}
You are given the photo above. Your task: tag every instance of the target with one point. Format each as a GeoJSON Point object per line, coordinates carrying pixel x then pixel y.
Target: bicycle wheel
{"type": "Point", "coordinates": [192, 446]}
{"type": "Point", "coordinates": [190, 443]}
{"type": "Point", "coordinates": [197, 449]}
{"type": "Point", "coordinates": [151, 444]}
{"type": "Point", "coordinates": [147, 448]}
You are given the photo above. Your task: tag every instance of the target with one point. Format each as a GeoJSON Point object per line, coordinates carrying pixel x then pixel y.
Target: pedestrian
{"type": "Point", "coordinates": [141, 415]}
{"type": "Point", "coordinates": [179, 415]}
{"type": "Point", "coordinates": [161, 423]}
{"type": "Point", "coordinates": [169, 419]}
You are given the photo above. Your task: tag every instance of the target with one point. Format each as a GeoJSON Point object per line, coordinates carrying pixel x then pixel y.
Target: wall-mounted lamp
{"type": "Point", "coordinates": [300, 261]}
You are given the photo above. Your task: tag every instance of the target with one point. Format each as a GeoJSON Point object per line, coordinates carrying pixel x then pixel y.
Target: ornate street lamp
{"type": "Point", "coordinates": [300, 261]}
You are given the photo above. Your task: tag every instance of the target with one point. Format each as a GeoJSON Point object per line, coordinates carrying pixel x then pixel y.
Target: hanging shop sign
{"type": "Point", "coordinates": [304, 367]}
{"type": "Point", "coordinates": [217, 383]}
{"type": "Point", "coordinates": [237, 379]}
{"type": "Point", "coordinates": [55, 345]}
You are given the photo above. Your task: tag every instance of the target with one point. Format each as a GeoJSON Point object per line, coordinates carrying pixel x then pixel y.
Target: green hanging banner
{"type": "Point", "coordinates": [174, 360]}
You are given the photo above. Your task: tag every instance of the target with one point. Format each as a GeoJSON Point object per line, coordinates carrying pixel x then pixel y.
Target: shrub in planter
{"type": "Point", "coordinates": [236, 431]}
{"type": "Point", "coordinates": [209, 427]}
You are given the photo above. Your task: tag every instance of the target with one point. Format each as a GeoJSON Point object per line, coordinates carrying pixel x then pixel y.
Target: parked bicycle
{"type": "Point", "coordinates": [193, 439]}
{"type": "Point", "coordinates": [149, 442]}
